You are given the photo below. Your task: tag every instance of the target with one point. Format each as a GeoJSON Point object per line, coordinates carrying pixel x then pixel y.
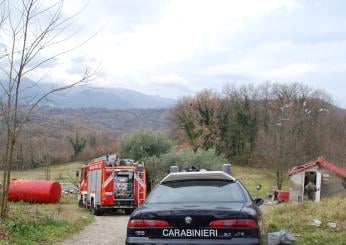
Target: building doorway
{"type": "Point", "coordinates": [312, 185]}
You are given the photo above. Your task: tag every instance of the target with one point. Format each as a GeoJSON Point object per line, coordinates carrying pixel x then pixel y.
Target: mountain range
{"type": "Point", "coordinates": [89, 97]}
{"type": "Point", "coordinates": [108, 98]}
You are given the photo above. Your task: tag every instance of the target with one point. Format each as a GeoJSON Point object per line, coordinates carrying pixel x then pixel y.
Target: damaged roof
{"type": "Point", "coordinates": [322, 162]}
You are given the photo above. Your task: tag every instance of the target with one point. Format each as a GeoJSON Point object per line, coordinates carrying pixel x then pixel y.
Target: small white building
{"type": "Point", "coordinates": [328, 178]}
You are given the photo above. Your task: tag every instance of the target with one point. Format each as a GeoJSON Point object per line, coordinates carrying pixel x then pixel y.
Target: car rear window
{"type": "Point", "coordinates": [196, 191]}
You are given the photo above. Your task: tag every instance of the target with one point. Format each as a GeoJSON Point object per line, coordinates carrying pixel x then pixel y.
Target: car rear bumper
{"type": "Point", "coordinates": [234, 241]}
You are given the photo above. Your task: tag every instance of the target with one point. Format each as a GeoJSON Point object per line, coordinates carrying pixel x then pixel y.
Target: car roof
{"type": "Point", "coordinates": [202, 175]}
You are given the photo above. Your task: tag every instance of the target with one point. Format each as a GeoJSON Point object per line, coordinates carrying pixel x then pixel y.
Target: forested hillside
{"type": "Point", "coordinates": [51, 134]}
{"type": "Point", "coordinates": [273, 125]}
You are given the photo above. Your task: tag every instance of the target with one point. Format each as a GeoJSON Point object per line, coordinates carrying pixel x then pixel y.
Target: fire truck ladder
{"type": "Point", "coordinates": [141, 187]}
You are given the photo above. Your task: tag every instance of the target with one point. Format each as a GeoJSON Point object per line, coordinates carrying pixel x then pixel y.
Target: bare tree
{"type": "Point", "coordinates": [293, 126]}
{"type": "Point", "coordinates": [276, 125]}
{"type": "Point", "coordinates": [31, 35]}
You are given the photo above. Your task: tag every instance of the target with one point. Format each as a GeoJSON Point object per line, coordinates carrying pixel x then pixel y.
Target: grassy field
{"type": "Point", "coordinates": [45, 224]}
{"type": "Point", "coordinates": [59, 172]}
{"type": "Point", "coordinates": [295, 217]}
{"type": "Point", "coordinates": [65, 172]}
{"type": "Point", "coordinates": [31, 224]}
{"type": "Point", "coordinates": [250, 177]}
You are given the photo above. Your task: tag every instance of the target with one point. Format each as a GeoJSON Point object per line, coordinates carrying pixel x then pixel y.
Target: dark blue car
{"type": "Point", "coordinates": [209, 207]}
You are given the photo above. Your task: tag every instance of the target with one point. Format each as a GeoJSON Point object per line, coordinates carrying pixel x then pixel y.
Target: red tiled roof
{"type": "Point", "coordinates": [322, 162]}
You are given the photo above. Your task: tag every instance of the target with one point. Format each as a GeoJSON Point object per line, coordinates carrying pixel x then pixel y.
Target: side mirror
{"type": "Point", "coordinates": [77, 173]}
{"type": "Point", "coordinates": [258, 201]}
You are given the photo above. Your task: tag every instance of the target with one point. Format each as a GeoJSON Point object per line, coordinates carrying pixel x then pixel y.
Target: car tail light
{"type": "Point", "coordinates": [147, 223]}
{"type": "Point", "coordinates": [234, 223]}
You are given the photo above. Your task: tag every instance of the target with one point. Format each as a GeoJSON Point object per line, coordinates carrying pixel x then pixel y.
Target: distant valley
{"type": "Point", "coordinates": [111, 120]}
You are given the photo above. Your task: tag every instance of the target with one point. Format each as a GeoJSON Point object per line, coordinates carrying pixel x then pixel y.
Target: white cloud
{"type": "Point", "coordinates": [171, 80]}
{"type": "Point", "coordinates": [170, 85]}
{"type": "Point", "coordinates": [283, 61]}
{"type": "Point", "coordinates": [174, 47]}
{"type": "Point", "coordinates": [185, 29]}
{"type": "Point", "coordinates": [290, 71]}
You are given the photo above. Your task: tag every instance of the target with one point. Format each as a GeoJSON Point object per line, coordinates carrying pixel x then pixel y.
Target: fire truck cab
{"type": "Point", "coordinates": [108, 184]}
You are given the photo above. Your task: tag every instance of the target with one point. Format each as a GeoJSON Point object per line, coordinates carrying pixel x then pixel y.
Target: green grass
{"type": "Point", "coordinates": [31, 224]}
{"type": "Point", "coordinates": [250, 177]}
{"type": "Point", "coordinates": [294, 217]}
{"type": "Point", "coordinates": [59, 172]}
{"type": "Point", "coordinates": [46, 224]}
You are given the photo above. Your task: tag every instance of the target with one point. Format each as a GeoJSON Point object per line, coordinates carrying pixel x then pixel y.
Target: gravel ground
{"type": "Point", "coordinates": [106, 230]}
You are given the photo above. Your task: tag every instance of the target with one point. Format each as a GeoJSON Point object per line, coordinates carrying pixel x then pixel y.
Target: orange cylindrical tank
{"type": "Point", "coordinates": [34, 191]}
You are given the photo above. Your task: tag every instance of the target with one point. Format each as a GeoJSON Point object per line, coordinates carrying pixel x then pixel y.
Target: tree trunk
{"type": "Point", "coordinates": [279, 179]}
{"type": "Point", "coordinates": [7, 179]}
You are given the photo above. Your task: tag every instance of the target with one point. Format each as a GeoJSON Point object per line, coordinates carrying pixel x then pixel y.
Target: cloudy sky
{"type": "Point", "coordinates": [174, 48]}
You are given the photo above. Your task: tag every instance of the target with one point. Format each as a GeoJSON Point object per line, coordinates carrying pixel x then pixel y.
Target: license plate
{"type": "Point", "coordinates": [189, 233]}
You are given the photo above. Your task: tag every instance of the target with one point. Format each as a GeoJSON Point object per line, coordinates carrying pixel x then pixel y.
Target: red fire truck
{"type": "Point", "coordinates": [108, 183]}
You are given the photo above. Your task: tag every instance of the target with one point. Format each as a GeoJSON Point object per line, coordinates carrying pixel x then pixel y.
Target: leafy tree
{"type": "Point", "coordinates": [207, 159]}
{"type": "Point", "coordinates": [189, 127]}
{"type": "Point", "coordinates": [78, 145]}
{"type": "Point", "coordinates": [199, 119]}
{"type": "Point", "coordinates": [240, 130]}
{"type": "Point", "coordinates": [144, 143]}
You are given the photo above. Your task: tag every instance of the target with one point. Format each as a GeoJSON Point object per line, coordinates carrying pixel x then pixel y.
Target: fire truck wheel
{"type": "Point", "coordinates": [80, 203]}
{"type": "Point", "coordinates": [129, 211]}
{"type": "Point", "coordinates": [95, 210]}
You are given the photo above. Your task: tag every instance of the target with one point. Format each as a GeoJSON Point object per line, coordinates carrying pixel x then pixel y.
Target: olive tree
{"type": "Point", "coordinates": [144, 143]}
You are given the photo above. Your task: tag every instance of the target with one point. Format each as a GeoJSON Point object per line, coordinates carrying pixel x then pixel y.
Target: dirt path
{"type": "Point", "coordinates": [106, 230]}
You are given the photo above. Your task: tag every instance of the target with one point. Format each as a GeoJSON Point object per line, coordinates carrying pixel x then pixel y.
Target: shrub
{"type": "Point", "coordinates": [144, 143]}
{"type": "Point", "coordinates": [207, 159]}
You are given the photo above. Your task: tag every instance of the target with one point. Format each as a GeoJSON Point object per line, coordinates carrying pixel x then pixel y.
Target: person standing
{"type": "Point", "coordinates": [310, 190]}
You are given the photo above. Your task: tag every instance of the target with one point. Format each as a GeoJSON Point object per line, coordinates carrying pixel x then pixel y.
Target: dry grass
{"type": "Point", "coordinates": [31, 224]}
{"type": "Point", "coordinates": [250, 177]}
{"type": "Point", "coordinates": [294, 217]}
{"type": "Point", "coordinates": [43, 223]}
{"type": "Point", "coordinates": [57, 172]}
{"type": "Point", "coordinates": [66, 209]}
